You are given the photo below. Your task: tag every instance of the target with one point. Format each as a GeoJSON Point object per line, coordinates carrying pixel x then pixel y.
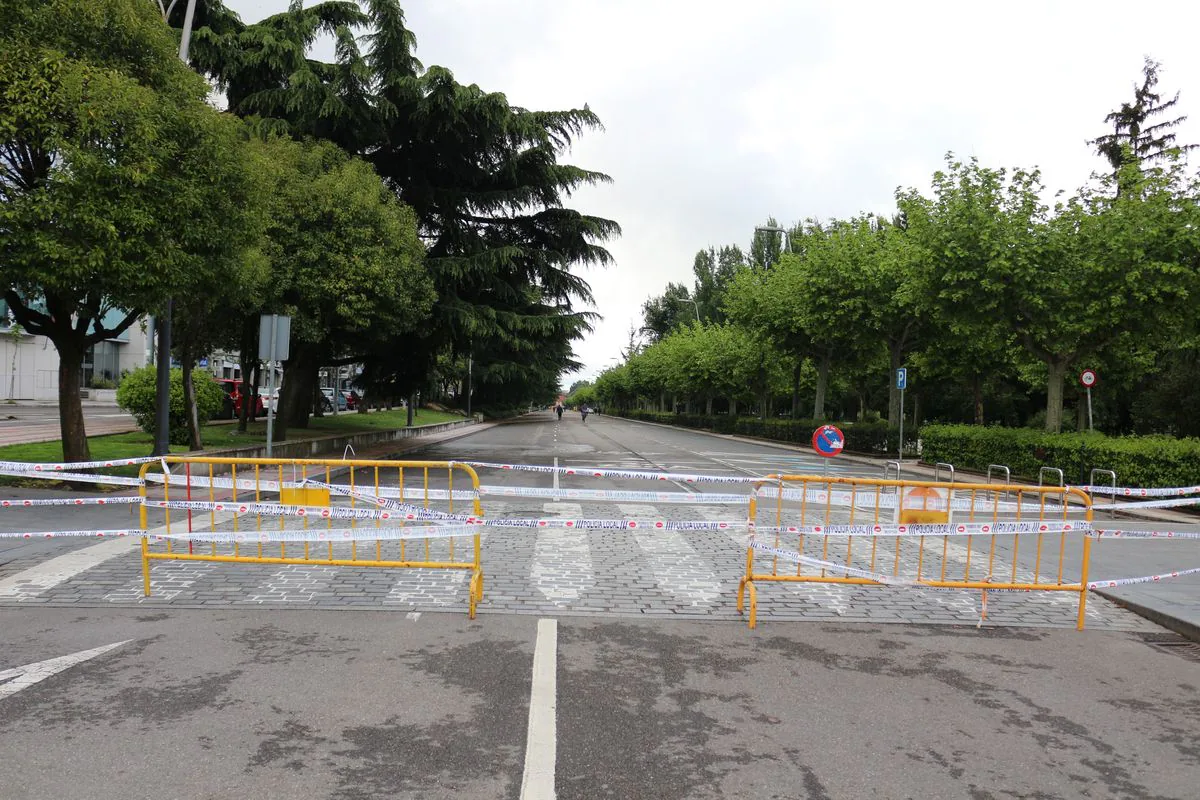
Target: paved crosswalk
{"type": "Point", "coordinates": [556, 569]}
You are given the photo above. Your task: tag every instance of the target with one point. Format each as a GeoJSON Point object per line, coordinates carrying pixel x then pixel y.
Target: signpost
{"type": "Point", "coordinates": [274, 335]}
{"type": "Point", "coordinates": [828, 441]}
{"type": "Point", "coordinates": [1087, 379]}
{"type": "Point", "coordinates": [901, 384]}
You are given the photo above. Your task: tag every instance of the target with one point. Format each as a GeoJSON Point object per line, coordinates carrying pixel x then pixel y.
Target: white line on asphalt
{"type": "Point", "coordinates": [23, 677]}
{"type": "Point", "coordinates": [541, 744]}
{"type": "Point", "coordinates": [48, 574]}
{"type": "Point", "coordinates": [678, 569]}
{"type": "Point", "coordinates": [556, 476]}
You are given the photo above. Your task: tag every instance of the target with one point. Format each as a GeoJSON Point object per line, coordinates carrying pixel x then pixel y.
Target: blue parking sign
{"type": "Point", "coordinates": [902, 378]}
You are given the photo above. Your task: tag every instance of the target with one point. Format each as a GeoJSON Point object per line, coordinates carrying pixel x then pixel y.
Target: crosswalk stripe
{"type": "Point", "coordinates": [562, 560]}
{"type": "Point", "coordinates": [677, 568]}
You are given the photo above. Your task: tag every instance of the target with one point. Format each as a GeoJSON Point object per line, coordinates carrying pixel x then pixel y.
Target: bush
{"type": "Point", "coordinates": [1142, 461]}
{"type": "Point", "coordinates": [137, 395]}
{"type": "Point", "coordinates": [872, 438]}
{"type": "Point", "coordinates": [101, 383]}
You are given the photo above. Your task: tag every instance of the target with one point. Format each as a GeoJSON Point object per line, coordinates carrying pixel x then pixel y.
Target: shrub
{"type": "Point", "coordinates": [873, 438]}
{"type": "Point", "coordinates": [101, 383]}
{"type": "Point", "coordinates": [1142, 461]}
{"type": "Point", "coordinates": [137, 394]}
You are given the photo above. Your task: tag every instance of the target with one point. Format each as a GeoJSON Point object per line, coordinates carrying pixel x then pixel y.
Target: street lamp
{"type": "Point", "coordinates": [695, 305]}
{"type": "Point", "coordinates": [162, 323]}
{"type": "Point", "coordinates": [787, 240]}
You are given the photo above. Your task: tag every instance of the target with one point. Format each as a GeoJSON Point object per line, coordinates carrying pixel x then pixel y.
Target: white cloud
{"type": "Point", "coordinates": [720, 114]}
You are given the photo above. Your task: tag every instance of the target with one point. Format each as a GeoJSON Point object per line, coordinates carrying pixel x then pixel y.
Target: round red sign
{"type": "Point", "coordinates": [828, 441]}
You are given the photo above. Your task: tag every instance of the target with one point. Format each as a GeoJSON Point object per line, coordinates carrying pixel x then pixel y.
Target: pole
{"type": "Point", "coordinates": [900, 447]}
{"type": "Point", "coordinates": [162, 388]}
{"type": "Point", "coordinates": [1089, 394]}
{"type": "Point", "coordinates": [162, 324]}
{"type": "Point", "coordinates": [470, 367]}
{"type": "Point", "coordinates": [271, 386]}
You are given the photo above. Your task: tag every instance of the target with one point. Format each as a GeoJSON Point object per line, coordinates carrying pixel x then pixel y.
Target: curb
{"type": "Point", "coordinates": [1188, 630]}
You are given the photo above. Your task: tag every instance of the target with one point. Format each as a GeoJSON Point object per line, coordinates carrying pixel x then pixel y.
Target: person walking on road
{"type": "Point", "coordinates": [584, 411]}
{"type": "Point", "coordinates": [558, 409]}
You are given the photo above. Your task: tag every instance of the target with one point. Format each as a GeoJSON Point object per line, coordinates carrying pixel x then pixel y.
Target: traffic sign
{"type": "Point", "coordinates": [828, 441]}
{"type": "Point", "coordinates": [1088, 378]}
{"type": "Point", "coordinates": [902, 378]}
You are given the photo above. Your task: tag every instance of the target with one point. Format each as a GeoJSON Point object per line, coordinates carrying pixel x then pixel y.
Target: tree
{"type": "Point", "coordinates": [1069, 285]}
{"type": "Point", "coordinates": [346, 262]}
{"type": "Point", "coordinates": [668, 311]}
{"type": "Point", "coordinates": [117, 181]}
{"type": "Point", "coordinates": [1133, 140]}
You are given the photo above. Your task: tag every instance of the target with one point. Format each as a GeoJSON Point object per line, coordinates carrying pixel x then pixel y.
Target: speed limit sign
{"type": "Point", "coordinates": [1088, 378]}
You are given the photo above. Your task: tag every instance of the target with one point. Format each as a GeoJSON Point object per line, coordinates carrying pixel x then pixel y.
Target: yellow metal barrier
{"type": "Point", "coordinates": [798, 509]}
{"type": "Point", "coordinates": [254, 490]}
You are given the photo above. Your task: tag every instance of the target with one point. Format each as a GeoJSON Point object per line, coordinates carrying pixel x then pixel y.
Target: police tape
{"type": "Point", "coordinates": [278, 510]}
{"type": "Point", "coordinates": [74, 477]}
{"type": "Point", "coordinates": [27, 466]}
{"type": "Point", "coordinates": [694, 498]}
{"type": "Point", "coordinates": [1187, 501]}
{"type": "Point", "coordinates": [1145, 579]}
{"type": "Point", "coordinates": [853, 572]}
{"type": "Point", "coordinates": [867, 500]}
{"type": "Point", "coordinates": [1129, 491]}
{"type": "Point", "coordinates": [100, 534]}
{"type": "Point", "coordinates": [326, 535]}
{"type": "Point", "coordinates": [71, 501]}
{"type": "Point", "coordinates": [933, 529]}
{"type": "Point", "coordinates": [1106, 534]}
{"type": "Point", "coordinates": [601, 472]}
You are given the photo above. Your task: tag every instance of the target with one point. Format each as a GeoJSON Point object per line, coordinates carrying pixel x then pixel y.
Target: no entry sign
{"type": "Point", "coordinates": [828, 441]}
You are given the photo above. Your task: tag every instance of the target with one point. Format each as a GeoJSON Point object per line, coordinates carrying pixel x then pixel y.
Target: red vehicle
{"type": "Point", "coordinates": [232, 406]}
{"type": "Point", "coordinates": [351, 399]}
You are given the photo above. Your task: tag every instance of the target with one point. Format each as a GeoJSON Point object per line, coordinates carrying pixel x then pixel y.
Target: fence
{"type": "Point", "coordinates": [914, 529]}
{"type": "Point", "coordinates": [386, 509]}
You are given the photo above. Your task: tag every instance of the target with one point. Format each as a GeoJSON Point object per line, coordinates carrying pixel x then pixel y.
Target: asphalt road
{"type": "Point", "coordinates": [273, 704]}
{"type": "Point", "coordinates": [283, 682]}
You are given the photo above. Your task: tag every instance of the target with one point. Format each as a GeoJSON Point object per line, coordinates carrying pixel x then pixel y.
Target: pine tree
{"type": "Point", "coordinates": [1132, 139]}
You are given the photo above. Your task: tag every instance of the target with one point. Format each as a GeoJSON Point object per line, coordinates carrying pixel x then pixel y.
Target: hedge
{"type": "Point", "coordinates": [872, 438]}
{"type": "Point", "coordinates": [1141, 461]}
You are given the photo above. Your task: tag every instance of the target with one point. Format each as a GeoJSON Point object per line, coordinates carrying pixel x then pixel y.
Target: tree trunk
{"type": "Point", "coordinates": [977, 387]}
{"type": "Point", "coordinates": [249, 346]}
{"type": "Point", "coordinates": [733, 407]}
{"type": "Point", "coordinates": [189, 400]}
{"type": "Point", "coordinates": [796, 387]}
{"type": "Point", "coordinates": [862, 407]}
{"type": "Point", "coordinates": [70, 407]}
{"type": "Point", "coordinates": [412, 403]}
{"type": "Point", "coordinates": [1057, 369]}
{"type": "Point", "coordinates": [708, 401]}
{"type": "Point", "coordinates": [895, 361]}
{"type": "Point", "coordinates": [1080, 412]}
{"type": "Point", "coordinates": [822, 384]}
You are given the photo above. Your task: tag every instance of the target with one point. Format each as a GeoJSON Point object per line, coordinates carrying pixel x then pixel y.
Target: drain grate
{"type": "Point", "coordinates": [1173, 643]}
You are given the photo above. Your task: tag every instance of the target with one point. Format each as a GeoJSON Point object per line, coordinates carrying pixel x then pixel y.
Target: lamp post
{"type": "Point", "coordinates": [695, 305]}
{"type": "Point", "coordinates": [787, 240]}
{"type": "Point", "coordinates": [162, 323]}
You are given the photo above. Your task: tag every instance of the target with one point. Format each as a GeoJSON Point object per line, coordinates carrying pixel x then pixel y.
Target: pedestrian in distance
{"type": "Point", "coordinates": [584, 411]}
{"type": "Point", "coordinates": [558, 409]}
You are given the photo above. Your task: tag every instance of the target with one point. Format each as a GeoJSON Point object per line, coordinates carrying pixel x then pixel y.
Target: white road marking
{"type": "Point", "coordinates": [18, 678]}
{"type": "Point", "coordinates": [60, 569]}
{"type": "Point", "coordinates": [541, 743]}
{"type": "Point", "coordinates": [48, 574]}
{"type": "Point", "coordinates": [562, 560]}
{"type": "Point", "coordinates": [677, 568]}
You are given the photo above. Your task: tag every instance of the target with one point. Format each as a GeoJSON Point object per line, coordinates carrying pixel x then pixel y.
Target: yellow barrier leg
{"type": "Point", "coordinates": [145, 566]}
{"type": "Point", "coordinates": [741, 595]}
{"type": "Point", "coordinates": [1083, 577]}
{"type": "Point", "coordinates": [472, 590]}
{"type": "Point", "coordinates": [753, 620]}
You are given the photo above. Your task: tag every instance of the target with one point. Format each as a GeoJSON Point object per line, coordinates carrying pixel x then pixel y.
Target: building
{"type": "Point", "coordinates": [29, 364]}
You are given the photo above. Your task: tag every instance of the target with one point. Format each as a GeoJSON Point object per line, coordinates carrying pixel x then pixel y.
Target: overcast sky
{"type": "Point", "coordinates": [720, 114]}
